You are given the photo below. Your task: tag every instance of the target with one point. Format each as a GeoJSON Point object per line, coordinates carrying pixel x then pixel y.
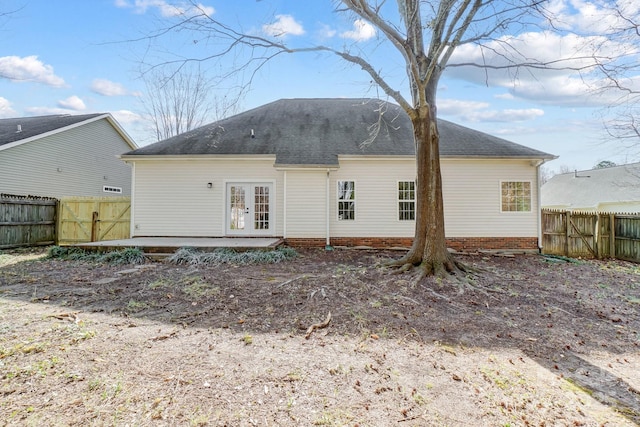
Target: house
{"type": "Point", "coordinates": [611, 189]}
{"type": "Point", "coordinates": [64, 155]}
{"type": "Point", "coordinates": [331, 171]}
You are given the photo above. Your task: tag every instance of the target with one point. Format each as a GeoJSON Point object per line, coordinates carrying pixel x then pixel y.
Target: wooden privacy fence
{"type": "Point", "coordinates": [591, 235]}
{"type": "Point", "coordinates": [93, 219]}
{"type": "Point", "coordinates": [27, 221]}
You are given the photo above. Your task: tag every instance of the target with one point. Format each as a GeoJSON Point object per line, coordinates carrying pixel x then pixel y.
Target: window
{"type": "Point", "coordinates": [346, 200]}
{"type": "Point", "coordinates": [516, 196]}
{"type": "Point", "coordinates": [406, 200]}
{"type": "Point", "coordinates": [261, 207]}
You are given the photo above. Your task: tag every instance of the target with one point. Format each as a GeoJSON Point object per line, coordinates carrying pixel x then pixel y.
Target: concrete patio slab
{"type": "Point", "coordinates": [171, 244]}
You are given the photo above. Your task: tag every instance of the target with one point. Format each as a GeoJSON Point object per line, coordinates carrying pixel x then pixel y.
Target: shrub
{"type": "Point", "coordinates": [124, 256]}
{"type": "Point", "coordinates": [192, 256]}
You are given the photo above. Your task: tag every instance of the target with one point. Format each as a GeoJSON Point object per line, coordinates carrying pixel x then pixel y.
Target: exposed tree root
{"type": "Point", "coordinates": [449, 269]}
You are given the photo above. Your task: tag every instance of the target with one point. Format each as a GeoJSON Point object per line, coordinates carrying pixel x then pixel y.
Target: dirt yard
{"type": "Point", "coordinates": [534, 342]}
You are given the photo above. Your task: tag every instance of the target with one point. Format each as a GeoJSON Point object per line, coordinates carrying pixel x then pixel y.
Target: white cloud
{"type": "Point", "coordinates": [507, 96]}
{"type": "Point", "coordinates": [72, 103]}
{"type": "Point", "coordinates": [108, 88]}
{"type": "Point", "coordinates": [127, 117]}
{"type": "Point", "coordinates": [285, 25]}
{"type": "Point", "coordinates": [362, 31]}
{"type": "Point", "coordinates": [594, 16]}
{"type": "Point", "coordinates": [561, 83]}
{"type": "Point", "coordinates": [5, 108]}
{"type": "Point", "coordinates": [45, 111]}
{"type": "Point", "coordinates": [474, 111]}
{"type": "Point", "coordinates": [28, 69]}
{"type": "Point", "coordinates": [166, 9]}
{"type": "Point", "coordinates": [326, 32]}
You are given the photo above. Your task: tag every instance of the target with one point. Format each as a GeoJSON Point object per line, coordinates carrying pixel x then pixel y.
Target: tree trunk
{"type": "Point", "coordinates": [429, 249]}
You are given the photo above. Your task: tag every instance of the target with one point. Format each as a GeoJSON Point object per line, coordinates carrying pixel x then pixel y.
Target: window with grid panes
{"type": "Point", "coordinates": [346, 200]}
{"type": "Point", "coordinates": [516, 196]}
{"type": "Point", "coordinates": [406, 200]}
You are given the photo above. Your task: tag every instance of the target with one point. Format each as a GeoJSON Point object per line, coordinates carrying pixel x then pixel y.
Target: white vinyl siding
{"type": "Point", "coordinates": [376, 193]}
{"type": "Point", "coordinates": [472, 198]}
{"type": "Point", "coordinates": [172, 197]}
{"type": "Point", "coordinates": [470, 192]}
{"type": "Point", "coordinates": [306, 212]}
{"type": "Point", "coordinates": [75, 162]}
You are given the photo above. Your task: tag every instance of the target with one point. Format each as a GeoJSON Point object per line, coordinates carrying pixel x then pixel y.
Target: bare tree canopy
{"type": "Point", "coordinates": [415, 41]}
{"type": "Point", "coordinates": [181, 98]}
{"type": "Point", "coordinates": [621, 76]}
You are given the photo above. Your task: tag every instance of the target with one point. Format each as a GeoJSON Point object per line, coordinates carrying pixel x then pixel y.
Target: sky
{"type": "Point", "coordinates": [86, 56]}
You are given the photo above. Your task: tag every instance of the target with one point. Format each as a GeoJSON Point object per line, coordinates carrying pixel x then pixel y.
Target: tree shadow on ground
{"type": "Point", "coordinates": [557, 313]}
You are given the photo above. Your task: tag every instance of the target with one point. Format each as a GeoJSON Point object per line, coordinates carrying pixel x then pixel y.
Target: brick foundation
{"type": "Point", "coordinates": [457, 243]}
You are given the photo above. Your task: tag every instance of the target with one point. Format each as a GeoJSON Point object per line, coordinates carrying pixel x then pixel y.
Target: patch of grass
{"type": "Point", "coordinates": [39, 368]}
{"type": "Point", "coordinates": [134, 305]}
{"type": "Point", "coordinates": [22, 348]}
{"type": "Point", "coordinates": [192, 256]}
{"type": "Point", "coordinates": [159, 283]}
{"type": "Point", "coordinates": [333, 418]}
{"type": "Point", "coordinates": [294, 376]}
{"type": "Point", "coordinates": [198, 288]}
{"type": "Point", "coordinates": [375, 304]}
{"type": "Point", "coordinates": [14, 256]}
{"type": "Point", "coordinates": [572, 385]}
{"type": "Point", "coordinates": [79, 332]}
{"type": "Point", "coordinates": [124, 256]}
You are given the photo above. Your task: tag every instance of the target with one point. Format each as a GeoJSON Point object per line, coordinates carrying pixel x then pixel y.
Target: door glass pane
{"type": "Point", "coordinates": [238, 207]}
{"type": "Point", "coordinates": [261, 208]}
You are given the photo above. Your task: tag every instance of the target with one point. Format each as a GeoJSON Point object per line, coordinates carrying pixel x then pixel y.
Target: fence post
{"type": "Point", "coordinates": [567, 233]}
{"type": "Point", "coordinates": [612, 235]}
{"type": "Point", "coordinates": [596, 237]}
{"type": "Point", "coordinates": [94, 226]}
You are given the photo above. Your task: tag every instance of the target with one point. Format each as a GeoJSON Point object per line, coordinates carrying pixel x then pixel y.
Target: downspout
{"type": "Point", "coordinates": [284, 209]}
{"type": "Point", "coordinates": [539, 198]}
{"type": "Point", "coordinates": [328, 213]}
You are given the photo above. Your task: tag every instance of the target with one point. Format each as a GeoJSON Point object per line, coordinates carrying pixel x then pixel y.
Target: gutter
{"type": "Point", "coordinates": [537, 164]}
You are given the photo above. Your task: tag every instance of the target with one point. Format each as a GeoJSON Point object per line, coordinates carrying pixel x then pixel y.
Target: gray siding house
{"type": "Point", "coordinates": [64, 155]}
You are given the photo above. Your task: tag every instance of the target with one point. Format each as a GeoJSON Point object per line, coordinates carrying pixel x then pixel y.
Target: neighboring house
{"type": "Point", "coordinates": [64, 155]}
{"type": "Point", "coordinates": [612, 189]}
{"type": "Point", "coordinates": [331, 171]}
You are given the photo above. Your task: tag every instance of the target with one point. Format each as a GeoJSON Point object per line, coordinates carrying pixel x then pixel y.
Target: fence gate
{"type": "Point", "coordinates": [582, 235]}
{"type": "Point", "coordinates": [570, 234]}
{"type": "Point", "coordinates": [93, 219]}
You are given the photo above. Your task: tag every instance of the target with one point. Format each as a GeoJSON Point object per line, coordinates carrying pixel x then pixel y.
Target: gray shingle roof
{"type": "Point", "coordinates": [33, 126]}
{"type": "Point", "coordinates": [587, 189]}
{"type": "Point", "coordinates": [317, 131]}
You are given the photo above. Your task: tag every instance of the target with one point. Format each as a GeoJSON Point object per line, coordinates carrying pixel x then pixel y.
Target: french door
{"type": "Point", "coordinates": [249, 208]}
